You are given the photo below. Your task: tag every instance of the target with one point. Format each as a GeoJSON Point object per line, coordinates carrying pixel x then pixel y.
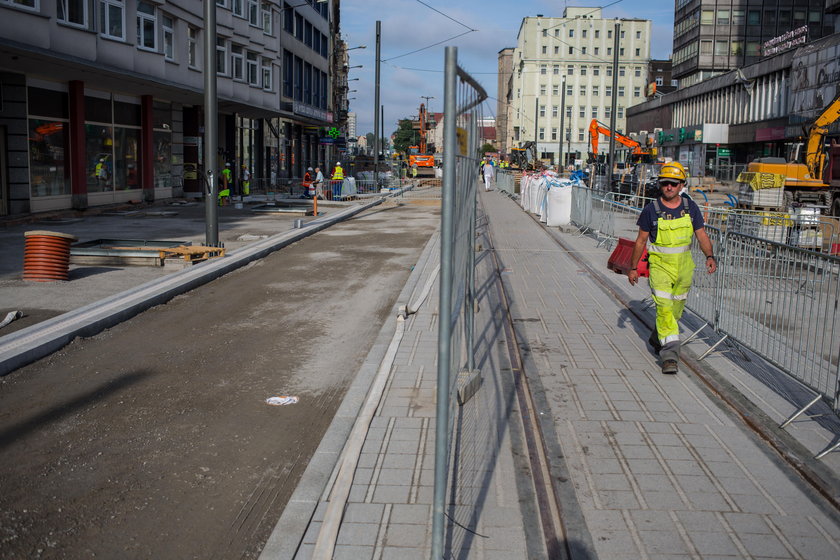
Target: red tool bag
{"type": "Point", "coordinates": [619, 261]}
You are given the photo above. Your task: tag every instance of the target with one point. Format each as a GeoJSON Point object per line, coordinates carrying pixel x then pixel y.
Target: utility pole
{"type": "Point", "coordinates": [536, 124]}
{"type": "Point", "coordinates": [210, 125]}
{"type": "Point", "coordinates": [613, 110]}
{"type": "Point", "coordinates": [562, 116]}
{"type": "Point", "coordinates": [376, 105]}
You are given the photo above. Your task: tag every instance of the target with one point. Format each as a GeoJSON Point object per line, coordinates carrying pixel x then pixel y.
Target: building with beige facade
{"type": "Point", "coordinates": [562, 78]}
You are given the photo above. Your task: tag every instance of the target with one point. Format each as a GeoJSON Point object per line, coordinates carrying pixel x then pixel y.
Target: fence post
{"type": "Point", "coordinates": [445, 311]}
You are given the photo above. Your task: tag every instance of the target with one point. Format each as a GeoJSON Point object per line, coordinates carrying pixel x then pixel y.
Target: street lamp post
{"type": "Point", "coordinates": [210, 123]}
{"type": "Point", "coordinates": [562, 118]}
{"type": "Point", "coordinates": [376, 103]}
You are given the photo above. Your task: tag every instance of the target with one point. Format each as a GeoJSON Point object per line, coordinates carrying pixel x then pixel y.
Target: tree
{"type": "Point", "coordinates": [487, 148]}
{"type": "Point", "coordinates": [405, 136]}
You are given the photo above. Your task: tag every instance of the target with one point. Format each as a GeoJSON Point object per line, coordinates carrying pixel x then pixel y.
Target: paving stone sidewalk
{"type": "Point", "coordinates": [660, 468]}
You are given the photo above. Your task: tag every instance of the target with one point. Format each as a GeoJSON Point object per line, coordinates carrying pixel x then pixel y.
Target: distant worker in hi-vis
{"type": "Point", "coordinates": [668, 225]}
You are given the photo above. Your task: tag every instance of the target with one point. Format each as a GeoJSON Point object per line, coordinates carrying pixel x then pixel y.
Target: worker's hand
{"type": "Point", "coordinates": [633, 276]}
{"type": "Point", "coordinates": [711, 264]}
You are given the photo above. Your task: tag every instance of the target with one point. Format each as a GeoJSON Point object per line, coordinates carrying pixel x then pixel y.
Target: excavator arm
{"type": "Point", "coordinates": [814, 152]}
{"type": "Point", "coordinates": [596, 128]}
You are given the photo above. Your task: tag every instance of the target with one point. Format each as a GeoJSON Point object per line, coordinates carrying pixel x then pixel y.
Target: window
{"type": "Point", "coordinates": [542, 133]}
{"type": "Point", "coordinates": [596, 70]}
{"type": "Point", "coordinates": [168, 26]}
{"type": "Point", "coordinates": [609, 70]}
{"type": "Point", "coordinates": [597, 33]}
{"type": "Point", "coordinates": [637, 92]}
{"type": "Point", "coordinates": [307, 34]}
{"type": "Point", "coordinates": [582, 111]}
{"type": "Point", "coordinates": [545, 32]}
{"type": "Point", "coordinates": [621, 112]}
{"type": "Point", "coordinates": [621, 51]}
{"type": "Point", "coordinates": [608, 91]}
{"type": "Point", "coordinates": [571, 50]}
{"type": "Point", "coordinates": [721, 48]}
{"type": "Point", "coordinates": [265, 12]}
{"type": "Point", "coordinates": [723, 17]}
{"type": "Point", "coordinates": [637, 72]}
{"type": "Point", "coordinates": [112, 19]}
{"type": "Point", "coordinates": [583, 70]}
{"type": "Point", "coordinates": [554, 133]}
{"type": "Point", "coordinates": [675, 83]}
{"type": "Point", "coordinates": [583, 33]}
{"type": "Point", "coordinates": [542, 110]}
{"type": "Point", "coordinates": [556, 49]}
{"type": "Point", "coordinates": [659, 80]}
{"type": "Point", "coordinates": [607, 112]}
{"type": "Point", "coordinates": [287, 74]}
{"type": "Point", "coordinates": [251, 63]}
{"type": "Point", "coordinates": [571, 32]}
{"type": "Point", "coordinates": [609, 33]}
{"type": "Point", "coordinates": [621, 71]}
{"type": "Point", "coordinates": [707, 17]}
{"type": "Point", "coordinates": [146, 23]}
{"type": "Point", "coordinates": [192, 46]}
{"type": "Point", "coordinates": [609, 51]}
{"type": "Point", "coordinates": [736, 48]}
{"type": "Point", "coordinates": [73, 11]}
{"type": "Point", "coordinates": [638, 52]}
{"type": "Point", "coordinates": [583, 50]}
{"type": "Point", "coordinates": [568, 111]}
{"type": "Point", "coordinates": [753, 17]}
{"type": "Point", "coordinates": [238, 8]}
{"type": "Point", "coordinates": [595, 91]}
{"type": "Point", "coordinates": [254, 12]}
{"type": "Point", "coordinates": [580, 135]}
{"type": "Point", "coordinates": [569, 90]}
{"type": "Point", "coordinates": [33, 4]}
{"type": "Point", "coordinates": [753, 48]}
{"type": "Point", "coordinates": [638, 34]}
{"type": "Point", "coordinates": [594, 112]}
{"type": "Point", "coordinates": [554, 111]}
{"type": "Point", "coordinates": [738, 17]}
{"type": "Point", "coordinates": [299, 27]}
{"type": "Point", "coordinates": [237, 62]}
{"type": "Point", "coordinates": [583, 90]}
{"type": "Point", "coordinates": [288, 19]}
{"type": "Point", "coordinates": [556, 32]}
{"type": "Point", "coordinates": [555, 89]}
{"type": "Point", "coordinates": [555, 69]}
{"type": "Point", "coordinates": [622, 34]}
{"type": "Point", "coordinates": [621, 91]}
{"type": "Point", "coordinates": [542, 89]}
{"type": "Point", "coordinates": [221, 56]}
{"type": "Point", "coordinates": [543, 69]}
{"type": "Point", "coordinates": [570, 70]}
{"type": "Point", "coordinates": [545, 49]}
{"type": "Point", "coordinates": [705, 47]}
{"type": "Point", "coordinates": [597, 50]}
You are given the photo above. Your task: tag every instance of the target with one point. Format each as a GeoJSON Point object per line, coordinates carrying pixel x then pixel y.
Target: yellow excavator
{"type": "Point", "coordinates": [811, 182]}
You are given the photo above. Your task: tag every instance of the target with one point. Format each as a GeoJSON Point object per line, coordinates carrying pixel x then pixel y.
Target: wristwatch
{"type": "Point", "coordinates": [711, 257]}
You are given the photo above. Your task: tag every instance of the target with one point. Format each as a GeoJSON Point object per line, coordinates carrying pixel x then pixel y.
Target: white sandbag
{"type": "Point", "coordinates": [559, 204]}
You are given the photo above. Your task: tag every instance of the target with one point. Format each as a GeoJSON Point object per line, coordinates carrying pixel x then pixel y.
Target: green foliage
{"type": "Point", "coordinates": [405, 136]}
{"type": "Point", "coordinates": [486, 148]}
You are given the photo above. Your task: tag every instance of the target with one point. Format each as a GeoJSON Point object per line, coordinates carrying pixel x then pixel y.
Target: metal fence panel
{"type": "Point", "coordinates": [462, 105]}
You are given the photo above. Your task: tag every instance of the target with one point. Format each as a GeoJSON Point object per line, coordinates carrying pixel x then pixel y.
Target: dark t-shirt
{"type": "Point", "coordinates": [648, 217]}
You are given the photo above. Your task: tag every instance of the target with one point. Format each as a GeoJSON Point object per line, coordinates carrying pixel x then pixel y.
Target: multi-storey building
{"type": "Point", "coordinates": [351, 125]}
{"type": "Point", "coordinates": [505, 72]}
{"type": "Point", "coordinates": [659, 78]}
{"type": "Point", "coordinates": [102, 100]}
{"type": "Point", "coordinates": [563, 72]}
{"type": "Point", "coordinates": [714, 36]}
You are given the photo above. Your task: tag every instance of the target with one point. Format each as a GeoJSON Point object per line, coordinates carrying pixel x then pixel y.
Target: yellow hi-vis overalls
{"type": "Point", "coordinates": [671, 269]}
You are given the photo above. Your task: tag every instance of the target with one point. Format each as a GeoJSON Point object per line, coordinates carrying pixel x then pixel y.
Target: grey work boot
{"type": "Point", "coordinates": [669, 367]}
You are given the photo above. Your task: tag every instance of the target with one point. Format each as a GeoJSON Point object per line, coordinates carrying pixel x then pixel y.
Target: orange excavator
{"type": "Point", "coordinates": [417, 155]}
{"type": "Point", "coordinates": [638, 153]}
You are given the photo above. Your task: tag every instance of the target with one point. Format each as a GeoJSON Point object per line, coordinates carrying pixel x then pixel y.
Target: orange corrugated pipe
{"type": "Point", "coordinates": [46, 255]}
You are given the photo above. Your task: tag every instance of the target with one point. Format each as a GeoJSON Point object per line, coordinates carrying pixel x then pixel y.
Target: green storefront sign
{"type": "Point", "coordinates": [724, 152]}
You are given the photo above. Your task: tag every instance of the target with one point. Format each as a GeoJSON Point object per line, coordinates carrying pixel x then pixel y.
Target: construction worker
{"type": "Point", "coordinates": [224, 191]}
{"type": "Point", "coordinates": [336, 180]}
{"type": "Point", "coordinates": [668, 225]}
{"type": "Point", "coordinates": [101, 174]}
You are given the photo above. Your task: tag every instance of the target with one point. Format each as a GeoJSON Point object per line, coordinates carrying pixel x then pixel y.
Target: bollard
{"type": "Point", "coordinates": [298, 223]}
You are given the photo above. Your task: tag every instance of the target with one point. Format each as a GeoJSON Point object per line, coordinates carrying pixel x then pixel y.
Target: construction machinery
{"type": "Point", "coordinates": [811, 182]}
{"type": "Point", "coordinates": [418, 156]}
{"type": "Point", "coordinates": [524, 157]}
{"type": "Point", "coordinates": [638, 153]}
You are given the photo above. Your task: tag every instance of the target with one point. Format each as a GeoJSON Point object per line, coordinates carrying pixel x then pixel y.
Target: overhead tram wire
{"type": "Point", "coordinates": [462, 24]}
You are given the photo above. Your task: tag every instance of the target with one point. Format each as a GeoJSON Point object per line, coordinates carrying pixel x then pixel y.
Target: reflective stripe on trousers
{"type": "Point", "coordinates": [670, 281]}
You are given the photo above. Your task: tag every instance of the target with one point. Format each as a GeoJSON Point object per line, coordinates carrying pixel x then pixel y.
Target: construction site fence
{"type": "Point", "coordinates": [455, 493]}
{"type": "Point", "coordinates": [361, 186]}
{"type": "Point", "coordinates": [505, 181]}
{"type": "Point", "coordinates": [775, 298]}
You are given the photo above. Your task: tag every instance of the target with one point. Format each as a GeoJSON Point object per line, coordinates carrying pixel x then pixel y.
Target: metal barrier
{"type": "Point", "coordinates": [463, 97]}
{"type": "Point", "coordinates": [505, 181]}
{"type": "Point", "coordinates": [776, 299]}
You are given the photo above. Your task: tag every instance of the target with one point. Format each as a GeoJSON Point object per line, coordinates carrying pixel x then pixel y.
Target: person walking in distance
{"type": "Point", "coordinates": [489, 174]}
{"type": "Point", "coordinates": [308, 187]}
{"type": "Point", "coordinates": [246, 180]}
{"type": "Point", "coordinates": [668, 225]}
{"type": "Point", "coordinates": [319, 183]}
{"type": "Point", "coordinates": [224, 190]}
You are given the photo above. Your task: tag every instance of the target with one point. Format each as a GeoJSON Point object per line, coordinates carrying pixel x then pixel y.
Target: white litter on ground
{"type": "Point", "coordinates": [281, 401]}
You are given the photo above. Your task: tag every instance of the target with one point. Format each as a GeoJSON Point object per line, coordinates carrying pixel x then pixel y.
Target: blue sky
{"type": "Point", "coordinates": [408, 25]}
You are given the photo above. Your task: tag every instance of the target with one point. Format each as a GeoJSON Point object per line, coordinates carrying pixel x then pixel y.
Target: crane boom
{"type": "Point", "coordinates": [596, 128]}
{"type": "Point", "coordinates": [814, 150]}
